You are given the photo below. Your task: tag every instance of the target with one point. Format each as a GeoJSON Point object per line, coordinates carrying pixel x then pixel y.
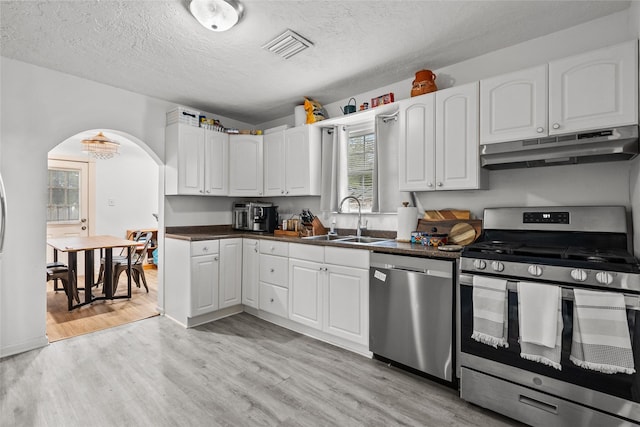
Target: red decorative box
{"type": "Point", "coordinates": [384, 99]}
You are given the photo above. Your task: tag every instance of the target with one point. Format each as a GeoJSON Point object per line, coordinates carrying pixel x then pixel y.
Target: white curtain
{"type": "Point", "coordinates": [334, 171]}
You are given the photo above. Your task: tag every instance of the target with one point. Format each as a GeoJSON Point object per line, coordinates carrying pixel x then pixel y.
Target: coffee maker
{"type": "Point", "coordinates": [255, 216]}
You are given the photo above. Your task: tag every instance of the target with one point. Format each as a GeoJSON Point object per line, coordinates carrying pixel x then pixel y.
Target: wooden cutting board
{"type": "Point", "coordinates": [462, 234]}
{"type": "Point", "coordinates": [446, 226]}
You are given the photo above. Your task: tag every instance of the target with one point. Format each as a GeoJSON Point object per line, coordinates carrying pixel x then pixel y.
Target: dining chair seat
{"type": "Point", "coordinates": [62, 273]}
{"type": "Point", "coordinates": [122, 257]}
{"type": "Point", "coordinates": [55, 281]}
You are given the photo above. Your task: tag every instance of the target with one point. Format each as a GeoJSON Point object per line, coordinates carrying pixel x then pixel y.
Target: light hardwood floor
{"type": "Point", "coordinates": [238, 371]}
{"type": "Point", "coordinates": [62, 323]}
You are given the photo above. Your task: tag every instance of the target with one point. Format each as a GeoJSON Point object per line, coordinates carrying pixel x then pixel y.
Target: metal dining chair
{"type": "Point", "coordinates": [61, 272]}
{"type": "Point", "coordinates": [136, 236]}
{"type": "Point", "coordinates": [137, 266]}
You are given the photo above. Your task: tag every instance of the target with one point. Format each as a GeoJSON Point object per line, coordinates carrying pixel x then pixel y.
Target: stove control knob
{"type": "Point", "coordinates": [579, 275]}
{"type": "Point", "coordinates": [535, 270]}
{"type": "Point", "coordinates": [604, 278]}
{"type": "Point", "coordinates": [479, 264]}
{"type": "Point", "coordinates": [497, 266]}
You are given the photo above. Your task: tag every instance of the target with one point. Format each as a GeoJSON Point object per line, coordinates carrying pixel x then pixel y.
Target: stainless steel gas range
{"type": "Point", "coordinates": [573, 250]}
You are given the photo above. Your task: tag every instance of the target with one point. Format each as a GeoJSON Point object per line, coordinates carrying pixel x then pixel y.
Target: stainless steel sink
{"type": "Point", "coordinates": [362, 240]}
{"type": "Point", "coordinates": [325, 237]}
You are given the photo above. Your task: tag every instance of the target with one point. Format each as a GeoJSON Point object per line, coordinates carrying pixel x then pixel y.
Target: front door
{"type": "Point", "coordinates": [68, 213]}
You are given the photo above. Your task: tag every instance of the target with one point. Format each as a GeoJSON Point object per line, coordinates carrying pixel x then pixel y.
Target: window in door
{"type": "Point", "coordinates": [64, 196]}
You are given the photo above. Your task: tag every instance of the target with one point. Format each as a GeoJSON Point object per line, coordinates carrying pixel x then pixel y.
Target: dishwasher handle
{"type": "Point", "coordinates": [427, 272]}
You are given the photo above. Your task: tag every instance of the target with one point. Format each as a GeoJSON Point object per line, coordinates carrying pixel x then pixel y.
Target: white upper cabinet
{"type": "Point", "coordinates": [216, 153]}
{"type": "Point", "coordinates": [245, 165]}
{"type": "Point", "coordinates": [590, 91]}
{"type": "Point", "coordinates": [292, 162]}
{"type": "Point", "coordinates": [439, 141]}
{"type": "Point", "coordinates": [416, 150]}
{"type": "Point", "coordinates": [457, 145]}
{"type": "Point", "coordinates": [514, 106]}
{"type": "Point", "coordinates": [274, 171]}
{"type": "Point", "coordinates": [594, 90]}
{"type": "Point", "coordinates": [196, 161]}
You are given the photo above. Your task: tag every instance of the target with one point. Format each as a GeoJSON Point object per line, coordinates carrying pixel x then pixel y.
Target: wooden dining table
{"type": "Point", "coordinates": [88, 245]}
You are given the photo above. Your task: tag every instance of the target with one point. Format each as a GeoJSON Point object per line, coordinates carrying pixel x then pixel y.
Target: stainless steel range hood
{"type": "Point", "coordinates": [603, 145]}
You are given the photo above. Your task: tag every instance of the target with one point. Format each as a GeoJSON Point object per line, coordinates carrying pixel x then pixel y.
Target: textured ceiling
{"type": "Point", "coordinates": [158, 49]}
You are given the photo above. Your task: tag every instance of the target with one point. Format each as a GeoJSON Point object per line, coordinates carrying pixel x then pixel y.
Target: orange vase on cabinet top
{"type": "Point", "coordinates": [425, 82]}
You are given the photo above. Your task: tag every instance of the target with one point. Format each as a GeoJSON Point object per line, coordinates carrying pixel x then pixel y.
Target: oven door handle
{"type": "Point", "coordinates": [632, 302]}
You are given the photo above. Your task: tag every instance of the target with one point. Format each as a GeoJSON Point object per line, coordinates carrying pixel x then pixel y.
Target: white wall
{"type": "Point", "coordinates": [40, 108]}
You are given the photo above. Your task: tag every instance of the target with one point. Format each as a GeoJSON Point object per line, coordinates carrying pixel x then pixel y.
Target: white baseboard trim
{"type": "Point", "coordinates": [310, 332]}
{"type": "Point", "coordinates": [33, 344]}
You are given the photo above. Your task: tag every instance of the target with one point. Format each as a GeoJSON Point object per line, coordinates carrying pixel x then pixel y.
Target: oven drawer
{"type": "Point", "coordinates": [529, 406]}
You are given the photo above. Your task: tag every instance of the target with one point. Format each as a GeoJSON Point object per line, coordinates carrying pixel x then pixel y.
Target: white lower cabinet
{"type": "Point", "coordinates": [327, 296]}
{"type": "Point", "coordinates": [204, 284]}
{"type": "Point", "coordinates": [250, 265]}
{"type": "Point", "coordinates": [346, 303]}
{"type": "Point", "coordinates": [273, 299]}
{"type": "Point", "coordinates": [305, 292]}
{"type": "Point", "coordinates": [273, 274]}
{"type": "Point", "coordinates": [230, 286]}
{"type": "Point", "coordinates": [201, 278]}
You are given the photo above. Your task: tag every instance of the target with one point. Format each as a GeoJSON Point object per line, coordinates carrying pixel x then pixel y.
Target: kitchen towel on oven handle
{"type": "Point", "coordinates": [490, 311]}
{"type": "Point", "coordinates": [601, 340]}
{"type": "Point", "coordinates": [540, 323]}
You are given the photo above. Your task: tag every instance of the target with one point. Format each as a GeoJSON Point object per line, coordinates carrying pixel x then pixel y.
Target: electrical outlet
{"type": "Point", "coordinates": [111, 202]}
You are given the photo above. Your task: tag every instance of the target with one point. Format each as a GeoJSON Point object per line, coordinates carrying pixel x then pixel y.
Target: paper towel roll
{"type": "Point", "coordinates": [407, 222]}
{"type": "Point", "coordinates": [299, 115]}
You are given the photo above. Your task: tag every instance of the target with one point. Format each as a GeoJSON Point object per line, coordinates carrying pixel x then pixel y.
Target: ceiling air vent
{"type": "Point", "coordinates": [287, 44]}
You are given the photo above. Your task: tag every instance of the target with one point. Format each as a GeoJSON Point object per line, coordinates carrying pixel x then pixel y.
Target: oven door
{"type": "Point", "coordinates": [618, 394]}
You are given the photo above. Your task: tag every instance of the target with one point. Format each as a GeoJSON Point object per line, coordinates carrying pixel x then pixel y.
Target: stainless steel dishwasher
{"type": "Point", "coordinates": [411, 312]}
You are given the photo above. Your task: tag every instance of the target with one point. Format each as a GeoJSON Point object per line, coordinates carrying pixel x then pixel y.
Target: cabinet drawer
{"type": "Point", "coordinates": [274, 299]}
{"type": "Point", "coordinates": [357, 258]}
{"type": "Point", "coordinates": [307, 252]}
{"type": "Point", "coordinates": [205, 247]}
{"type": "Point", "coordinates": [274, 270]}
{"type": "Point", "coordinates": [272, 247]}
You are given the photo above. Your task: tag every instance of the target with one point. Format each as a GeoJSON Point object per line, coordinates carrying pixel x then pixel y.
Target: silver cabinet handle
{"type": "Point", "coordinates": [556, 126]}
{"type": "Point", "coordinates": [430, 184]}
{"type": "Point", "coordinates": [271, 300]}
{"type": "Point", "coordinates": [281, 191]}
{"type": "Point", "coordinates": [255, 249]}
{"type": "Point", "coordinates": [205, 249]}
{"type": "Point", "coordinates": [271, 270]}
{"type": "Point", "coordinates": [439, 184]}
{"type": "Point", "coordinates": [215, 258]}
{"type": "Point", "coordinates": [540, 130]}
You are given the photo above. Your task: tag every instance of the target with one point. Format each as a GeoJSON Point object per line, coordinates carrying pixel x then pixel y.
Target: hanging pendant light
{"type": "Point", "coordinates": [216, 15]}
{"type": "Point", "coordinates": [100, 147]}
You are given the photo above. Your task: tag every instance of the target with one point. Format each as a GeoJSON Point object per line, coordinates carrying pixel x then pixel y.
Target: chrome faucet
{"type": "Point", "coordinates": [359, 225]}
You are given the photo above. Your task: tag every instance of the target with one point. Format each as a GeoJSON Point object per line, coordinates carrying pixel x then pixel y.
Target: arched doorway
{"type": "Point", "coordinates": [124, 194]}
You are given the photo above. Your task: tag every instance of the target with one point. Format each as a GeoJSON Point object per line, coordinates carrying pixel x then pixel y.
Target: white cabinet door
{"type": "Point", "coordinates": [305, 292]}
{"type": "Point", "coordinates": [416, 151]}
{"type": "Point", "coordinates": [274, 164]}
{"type": "Point", "coordinates": [594, 90]}
{"type": "Point", "coordinates": [230, 272]}
{"type": "Point", "coordinates": [302, 161]}
{"type": "Point", "coordinates": [457, 148]}
{"type": "Point", "coordinates": [216, 153]}
{"type": "Point", "coordinates": [250, 269]}
{"type": "Point", "coordinates": [245, 165]}
{"type": "Point", "coordinates": [346, 303]}
{"type": "Point", "coordinates": [190, 159]}
{"type": "Point", "coordinates": [514, 106]}
{"type": "Point", "coordinates": [204, 284]}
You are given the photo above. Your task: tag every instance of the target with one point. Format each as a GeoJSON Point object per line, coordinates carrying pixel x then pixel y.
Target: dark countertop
{"type": "Point", "coordinates": [199, 233]}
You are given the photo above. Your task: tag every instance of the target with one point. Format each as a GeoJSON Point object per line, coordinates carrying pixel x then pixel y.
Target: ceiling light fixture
{"type": "Point", "coordinates": [287, 44]}
{"type": "Point", "coordinates": [217, 15]}
{"type": "Point", "coordinates": [100, 147]}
